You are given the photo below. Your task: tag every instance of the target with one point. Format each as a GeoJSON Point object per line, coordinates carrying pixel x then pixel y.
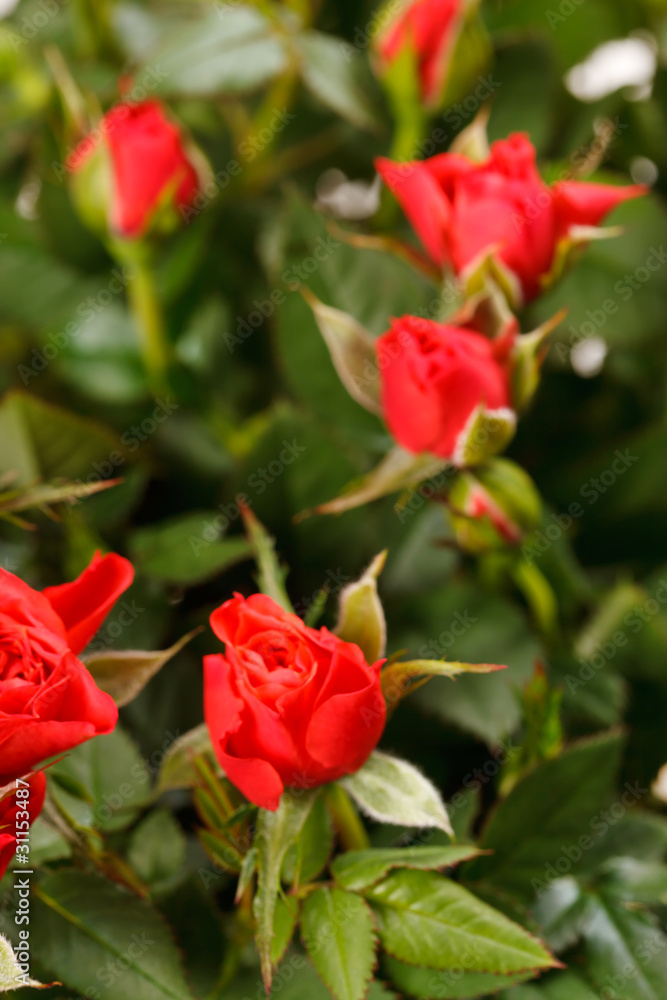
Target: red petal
{"type": "Point", "coordinates": [583, 204]}
{"type": "Point", "coordinates": [257, 779]}
{"type": "Point", "coordinates": [84, 603]}
{"type": "Point", "coordinates": [423, 201]}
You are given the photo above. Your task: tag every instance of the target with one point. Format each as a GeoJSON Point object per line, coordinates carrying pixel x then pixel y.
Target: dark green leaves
{"type": "Point", "coordinates": [187, 550]}
{"type": "Point", "coordinates": [337, 930]}
{"type": "Point", "coordinates": [40, 441]}
{"type": "Point", "coordinates": [625, 950]}
{"type": "Point", "coordinates": [95, 936]}
{"type": "Point", "coordinates": [226, 48]}
{"type": "Point", "coordinates": [424, 919]}
{"type": "Point", "coordinates": [450, 985]}
{"type": "Point", "coordinates": [327, 68]}
{"type": "Point", "coordinates": [551, 818]}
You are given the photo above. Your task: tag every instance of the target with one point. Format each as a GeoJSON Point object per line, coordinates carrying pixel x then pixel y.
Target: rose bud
{"type": "Point", "coordinates": [435, 377]}
{"type": "Point", "coordinates": [463, 211]}
{"type": "Point", "coordinates": [11, 804]}
{"type": "Point", "coordinates": [493, 508]}
{"type": "Point", "coordinates": [49, 701]}
{"type": "Point", "coordinates": [133, 173]}
{"type": "Point", "coordinates": [287, 705]}
{"type": "Point", "coordinates": [428, 30]}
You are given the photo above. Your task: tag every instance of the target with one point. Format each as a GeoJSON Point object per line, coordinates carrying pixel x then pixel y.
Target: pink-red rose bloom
{"type": "Point", "coordinates": [18, 813]}
{"type": "Point", "coordinates": [429, 29]}
{"type": "Point", "coordinates": [434, 376]}
{"type": "Point", "coordinates": [287, 705]}
{"type": "Point", "coordinates": [148, 162]}
{"type": "Point", "coordinates": [462, 210]}
{"type": "Point", "coordinates": [49, 701]}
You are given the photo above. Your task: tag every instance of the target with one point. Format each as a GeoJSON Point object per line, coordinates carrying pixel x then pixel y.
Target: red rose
{"type": "Point", "coordinates": [434, 376]}
{"type": "Point", "coordinates": [49, 701]}
{"type": "Point", "coordinates": [462, 210]}
{"type": "Point", "coordinates": [148, 164]}
{"type": "Point", "coordinates": [287, 705]}
{"type": "Point", "coordinates": [15, 803]}
{"type": "Point", "coordinates": [429, 29]}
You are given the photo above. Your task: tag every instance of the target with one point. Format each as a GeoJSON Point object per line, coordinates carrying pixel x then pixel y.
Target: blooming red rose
{"type": "Point", "coordinates": [429, 28]}
{"type": "Point", "coordinates": [49, 701]}
{"type": "Point", "coordinates": [434, 377]}
{"type": "Point", "coordinates": [462, 210]}
{"type": "Point", "coordinates": [148, 164]}
{"type": "Point", "coordinates": [287, 705]}
{"type": "Point", "coordinates": [19, 808]}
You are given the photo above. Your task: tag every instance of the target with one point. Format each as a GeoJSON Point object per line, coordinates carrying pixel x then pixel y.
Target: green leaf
{"type": "Point", "coordinates": [225, 49]}
{"type": "Point", "coordinates": [466, 625]}
{"type": "Point", "coordinates": [429, 984]}
{"type": "Point", "coordinates": [124, 673]}
{"type": "Point", "coordinates": [284, 922]}
{"type": "Point", "coordinates": [12, 975]}
{"type": "Point", "coordinates": [186, 550]}
{"type": "Point", "coordinates": [361, 616]}
{"type": "Point", "coordinates": [626, 951]}
{"type": "Point", "coordinates": [635, 881]}
{"type": "Point", "coordinates": [271, 575]}
{"type": "Point", "coordinates": [41, 441]}
{"type": "Point", "coordinates": [177, 769]}
{"type": "Point", "coordinates": [112, 775]}
{"type": "Point", "coordinates": [157, 850]}
{"type": "Point", "coordinates": [328, 71]}
{"type": "Point", "coordinates": [337, 930]}
{"type": "Point", "coordinates": [300, 982]}
{"type": "Point", "coordinates": [556, 806]}
{"type": "Point", "coordinates": [276, 832]}
{"type": "Point", "coordinates": [46, 843]}
{"type": "Point", "coordinates": [352, 350]}
{"type": "Point", "coordinates": [425, 919]}
{"type": "Point", "coordinates": [390, 790]}
{"type": "Point", "coordinates": [47, 494]}
{"type": "Point", "coordinates": [87, 931]}
{"type": "Point", "coordinates": [359, 869]}
{"type": "Point", "coordinates": [557, 986]}
{"type": "Point", "coordinates": [399, 470]}
{"type": "Point", "coordinates": [309, 855]}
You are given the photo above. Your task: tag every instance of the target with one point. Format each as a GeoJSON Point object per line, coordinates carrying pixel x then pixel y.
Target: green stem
{"type": "Point", "coordinates": [411, 123]}
{"type": "Point", "coordinates": [351, 830]}
{"type": "Point", "coordinates": [148, 316]}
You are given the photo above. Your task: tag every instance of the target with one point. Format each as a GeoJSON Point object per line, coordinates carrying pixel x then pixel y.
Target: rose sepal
{"type": "Point", "coordinates": [486, 433]}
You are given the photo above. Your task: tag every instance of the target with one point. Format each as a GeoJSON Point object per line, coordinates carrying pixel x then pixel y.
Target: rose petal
{"type": "Point", "coordinates": [83, 604]}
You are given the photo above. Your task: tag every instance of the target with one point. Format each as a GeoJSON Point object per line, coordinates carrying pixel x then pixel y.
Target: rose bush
{"type": "Point", "coordinates": [434, 376]}
{"type": "Point", "coordinates": [49, 701]}
{"type": "Point", "coordinates": [462, 210]}
{"type": "Point", "coordinates": [14, 815]}
{"type": "Point", "coordinates": [287, 705]}
{"type": "Point", "coordinates": [149, 165]}
{"type": "Point", "coordinates": [428, 28]}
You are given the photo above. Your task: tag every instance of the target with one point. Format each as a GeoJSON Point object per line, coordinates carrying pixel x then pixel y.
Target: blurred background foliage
{"type": "Point", "coordinates": [254, 376]}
